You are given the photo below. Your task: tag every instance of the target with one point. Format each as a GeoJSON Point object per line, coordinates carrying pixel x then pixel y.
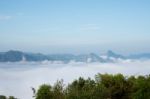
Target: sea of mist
{"type": "Point", "coordinates": [17, 78]}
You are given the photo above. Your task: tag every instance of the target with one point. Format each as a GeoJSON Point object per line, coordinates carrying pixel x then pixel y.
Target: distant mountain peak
{"type": "Point", "coordinates": [14, 51]}
{"type": "Point", "coordinates": [110, 53]}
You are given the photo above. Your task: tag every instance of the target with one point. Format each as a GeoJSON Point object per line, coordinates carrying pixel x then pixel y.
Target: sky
{"type": "Point", "coordinates": [75, 26]}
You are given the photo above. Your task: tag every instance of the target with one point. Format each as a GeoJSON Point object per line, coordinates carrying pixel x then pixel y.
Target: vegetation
{"type": "Point", "coordinates": [104, 86]}
{"type": "Point", "coordinates": [4, 97]}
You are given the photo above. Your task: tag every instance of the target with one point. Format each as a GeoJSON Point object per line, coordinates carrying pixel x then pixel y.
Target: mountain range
{"type": "Point", "coordinates": [110, 56]}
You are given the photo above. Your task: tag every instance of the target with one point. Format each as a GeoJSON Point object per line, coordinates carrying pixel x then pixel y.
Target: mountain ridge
{"type": "Point", "coordinates": [16, 56]}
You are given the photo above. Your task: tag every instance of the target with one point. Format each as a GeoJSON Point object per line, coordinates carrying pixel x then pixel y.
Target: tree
{"type": "Point", "coordinates": [12, 97]}
{"type": "Point", "coordinates": [81, 89]}
{"type": "Point", "coordinates": [2, 97]}
{"type": "Point", "coordinates": [58, 90]}
{"type": "Point", "coordinates": [44, 92]}
{"type": "Point", "coordinates": [142, 88]}
{"type": "Point", "coordinates": [105, 86]}
{"type": "Point", "coordinates": [116, 86]}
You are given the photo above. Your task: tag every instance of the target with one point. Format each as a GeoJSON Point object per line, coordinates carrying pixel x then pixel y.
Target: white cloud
{"type": "Point", "coordinates": [90, 27]}
{"type": "Point", "coordinates": [20, 14]}
{"type": "Point", "coordinates": [18, 78]}
{"type": "Point", "coordinates": [5, 17]}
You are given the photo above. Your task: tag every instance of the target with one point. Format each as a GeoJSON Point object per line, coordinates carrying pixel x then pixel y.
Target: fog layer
{"type": "Point", "coordinates": [17, 78]}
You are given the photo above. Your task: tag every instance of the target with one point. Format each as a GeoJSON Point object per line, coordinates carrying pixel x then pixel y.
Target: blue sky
{"type": "Point", "coordinates": [75, 26]}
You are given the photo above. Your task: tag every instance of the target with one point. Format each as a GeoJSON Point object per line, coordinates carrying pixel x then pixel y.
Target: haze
{"type": "Point", "coordinates": [79, 26]}
{"type": "Point", "coordinates": [73, 27]}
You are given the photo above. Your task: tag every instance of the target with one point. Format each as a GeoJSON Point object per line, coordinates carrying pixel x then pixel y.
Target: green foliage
{"type": "Point", "coordinates": [105, 86]}
{"type": "Point", "coordinates": [81, 89]}
{"type": "Point", "coordinates": [12, 97]}
{"type": "Point", "coordinates": [142, 88]}
{"type": "Point", "coordinates": [58, 90]}
{"type": "Point", "coordinates": [116, 85]}
{"type": "Point", "coordinates": [48, 92]}
{"type": "Point", "coordinates": [44, 92]}
{"type": "Point", "coordinates": [2, 97]}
